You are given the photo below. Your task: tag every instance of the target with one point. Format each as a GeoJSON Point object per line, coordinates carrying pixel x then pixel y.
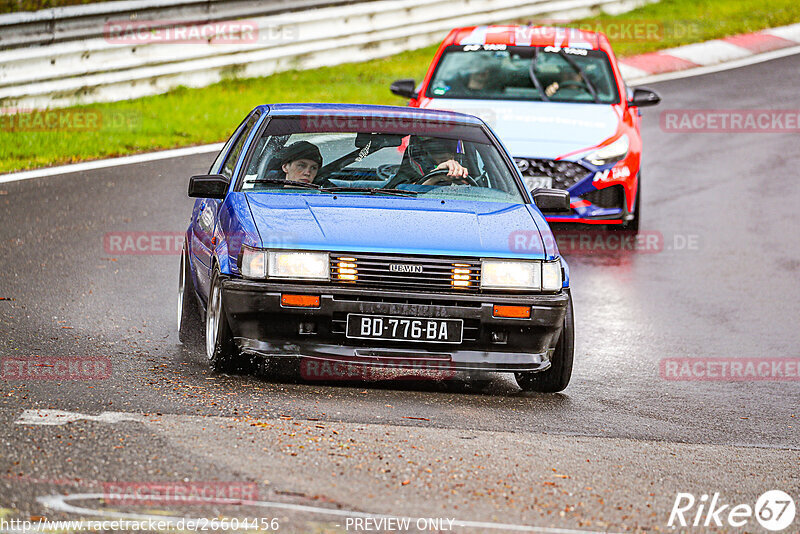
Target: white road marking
{"type": "Point", "coordinates": [59, 503]}
{"type": "Point", "coordinates": [60, 417]}
{"type": "Point", "coordinates": [113, 162]}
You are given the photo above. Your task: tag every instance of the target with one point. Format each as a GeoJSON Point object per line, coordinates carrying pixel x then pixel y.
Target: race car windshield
{"type": "Point", "coordinates": [544, 73]}
{"type": "Point", "coordinates": [458, 162]}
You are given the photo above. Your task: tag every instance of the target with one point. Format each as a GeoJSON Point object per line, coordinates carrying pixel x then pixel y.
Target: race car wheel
{"type": "Point", "coordinates": [190, 327]}
{"type": "Point", "coordinates": [220, 349]}
{"type": "Point", "coordinates": [557, 376]}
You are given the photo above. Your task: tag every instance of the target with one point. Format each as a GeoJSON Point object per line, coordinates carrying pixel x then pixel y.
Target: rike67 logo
{"type": "Point", "coordinates": [774, 510]}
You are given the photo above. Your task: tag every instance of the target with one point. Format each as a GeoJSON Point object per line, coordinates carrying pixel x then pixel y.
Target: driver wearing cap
{"type": "Point", "coordinates": [301, 161]}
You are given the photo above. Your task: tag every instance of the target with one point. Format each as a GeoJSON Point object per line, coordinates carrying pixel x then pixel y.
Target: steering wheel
{"type": "Point", "coordinates": [440, 175]}
{"type": "Point", "coordinates": [573, 83]}
{"type": "Point", "coordinates": [387, 171]}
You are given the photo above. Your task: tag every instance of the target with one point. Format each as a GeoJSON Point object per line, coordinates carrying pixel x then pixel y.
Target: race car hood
{"type": "Point", "coordinates": [540, 129]}
{"type": "Point", "coordinates": [357, 223]}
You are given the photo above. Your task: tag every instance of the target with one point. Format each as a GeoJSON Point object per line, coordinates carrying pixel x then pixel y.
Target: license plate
{"type": "Point", "coordinates": [416, 329]}
{"type": "Point", "coordinates": [538, 182]}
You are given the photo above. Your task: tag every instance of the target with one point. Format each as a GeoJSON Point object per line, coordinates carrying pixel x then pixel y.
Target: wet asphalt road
{"type": "Point", "coordinates": [721, 282]}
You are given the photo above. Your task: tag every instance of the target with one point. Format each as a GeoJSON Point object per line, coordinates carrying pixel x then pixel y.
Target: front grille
{"type": "Point", "coordinates": [609, 197]}
{"type": "Point", "coordinates": [421, 273]}
{"type": "Point", "coordinates": [565, 174]}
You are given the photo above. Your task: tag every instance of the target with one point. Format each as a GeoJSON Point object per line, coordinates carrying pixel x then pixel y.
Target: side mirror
{"type": "Point", "coordinates": [644, 97]}
{"type": "Point", "coordinates": [553, 201]}
{"type": "Point", "coordinates": [208, 186]}
{"type": "Point", "coordinates": [407, 88]}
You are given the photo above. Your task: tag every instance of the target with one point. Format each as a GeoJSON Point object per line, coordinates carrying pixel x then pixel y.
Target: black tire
{"type": "Point", "coordinates": [190, 326]}
{"type": "Point", "coordinates": [556, 378]}
{"type": "Point", "coordinates": [221, 351]}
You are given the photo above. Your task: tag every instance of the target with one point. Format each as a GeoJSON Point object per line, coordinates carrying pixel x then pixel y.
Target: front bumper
{"type": "Point", "coordinates": [262, 326]}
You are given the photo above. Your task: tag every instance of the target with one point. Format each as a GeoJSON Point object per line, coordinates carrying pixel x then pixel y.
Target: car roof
{"type": "Point", "coordinates": [514, 35]}
{"type": "Point", "coordinates": [357, 110]}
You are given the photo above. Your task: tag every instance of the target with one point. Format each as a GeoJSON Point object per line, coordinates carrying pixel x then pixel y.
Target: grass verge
{"type": "Point", "coordinates": [185, 117]}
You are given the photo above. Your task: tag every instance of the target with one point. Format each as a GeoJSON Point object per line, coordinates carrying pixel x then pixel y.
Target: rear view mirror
{"type": "Point", "coordinates": [376, 141]}
{"type": "Point", "coordinates": [208, 186]}
{"type": "Point", "coordinates": [407, 88]}
{"type": "Point", "coordinates": [644, 97]}
{"type": "Point", "coordinates": [552, 201]}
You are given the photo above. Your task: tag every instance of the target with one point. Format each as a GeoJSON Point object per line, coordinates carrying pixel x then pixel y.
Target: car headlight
{"type": "Point", "coordinates": [521, 275]}
{"type": "Point", "coordinates": [610, 153]}
{"type": "Point", "coordinates": [254, 263]}
{"type": "Point", "coordinates": [551, 276]}
{"type": "Point", "coordinates": [299, 265]}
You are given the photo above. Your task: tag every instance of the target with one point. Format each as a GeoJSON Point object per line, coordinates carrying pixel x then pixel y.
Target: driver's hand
{"type": "Point", "coordinates": [551, 89]}
{"type": "Point", "coordinates": [454, 168]}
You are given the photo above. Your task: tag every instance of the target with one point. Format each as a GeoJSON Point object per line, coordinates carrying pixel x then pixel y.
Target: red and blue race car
{"type": "Point", "coordinates": [558, 101]}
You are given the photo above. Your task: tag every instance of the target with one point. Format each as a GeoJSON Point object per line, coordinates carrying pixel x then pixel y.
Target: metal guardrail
{"type": "Point", "coordinates": [70, 23]}
{"type": "Point", "coordinates": [101, 68]}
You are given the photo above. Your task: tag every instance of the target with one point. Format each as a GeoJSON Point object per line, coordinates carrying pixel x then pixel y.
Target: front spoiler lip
{"type": "Point", "coordinates": [457, 360]}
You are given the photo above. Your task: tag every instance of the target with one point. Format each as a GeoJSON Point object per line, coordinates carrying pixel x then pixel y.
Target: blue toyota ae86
{"type": "Point", "coordinates": [376, 236]}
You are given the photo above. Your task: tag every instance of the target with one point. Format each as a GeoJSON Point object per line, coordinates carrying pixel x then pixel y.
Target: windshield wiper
{"type": "Point", "coordinates": [582, 74]}
{"type": "Point", "coordinates": [304, 185]}
{"type": "Point", "coordinates": [371, 190]}
{"type": "Point", "coordinates": [534, 79]}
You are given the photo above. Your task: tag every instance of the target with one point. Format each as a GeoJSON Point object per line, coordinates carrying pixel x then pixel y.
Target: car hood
{"type": "Point", "coordinates": [398, 225]}
{"type": "Point", "coordinates": [540, 129]}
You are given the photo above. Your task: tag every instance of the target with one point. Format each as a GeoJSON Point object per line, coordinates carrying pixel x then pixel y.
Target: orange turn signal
{"type": "Point", "coordinates": [300, 301]}
{"type": "Point", "coordinates": [516, 312]}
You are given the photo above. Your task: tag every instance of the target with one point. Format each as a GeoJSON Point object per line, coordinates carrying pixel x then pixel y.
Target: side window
{"type": "Point", "coordinates": [215, 167]}
{"type": "Point", "coordinates": [230, 163]}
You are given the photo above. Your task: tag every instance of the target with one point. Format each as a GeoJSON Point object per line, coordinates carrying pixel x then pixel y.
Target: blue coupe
{"type": "Point", "coordinates": [378, 236]}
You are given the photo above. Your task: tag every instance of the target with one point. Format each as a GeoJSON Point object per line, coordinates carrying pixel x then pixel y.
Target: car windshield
{"type": "Point", "coordinates": [356, 155]}
{"type": "Point", "coordinates": [501, 72]}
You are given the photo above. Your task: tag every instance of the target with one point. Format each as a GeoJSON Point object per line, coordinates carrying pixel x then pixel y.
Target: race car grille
{"type": "Point", "coordinates": [609, 197]}
{"type": "Point", "coordinates": [565, 174]}
{"type": "Point", "coordinates": [425, 273]}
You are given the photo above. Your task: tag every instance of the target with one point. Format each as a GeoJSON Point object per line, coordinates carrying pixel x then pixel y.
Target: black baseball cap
{"type": "Point", "coordinates": [301, 150]}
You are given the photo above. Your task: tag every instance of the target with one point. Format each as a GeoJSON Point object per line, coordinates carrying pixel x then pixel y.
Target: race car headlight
{"type": "Point", "coordinates": [522, 275]}
{"type": "Point", "coordinates": [510, 274]}
{"type": "Point", "coordinates": [254, 263]}
{"type": "Point", "coordinates": [610, 153]}
{"type": "Point", "coordinates": [298, 265]}
{"type": "Point", "coordinates": [551, 275]}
